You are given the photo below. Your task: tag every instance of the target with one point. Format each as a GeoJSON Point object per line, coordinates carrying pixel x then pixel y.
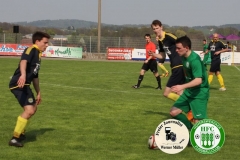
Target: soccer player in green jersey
{"type": "Point", "coordinates": [196, 89]}
{"type": "Point", "coordinates": [206, 55]}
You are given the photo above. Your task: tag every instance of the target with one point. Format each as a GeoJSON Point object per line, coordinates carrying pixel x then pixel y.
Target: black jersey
{"type": "Point", "coordinates": [167, 45]}
{"type": "Point", "coordinates": [215, 47]}
{"type": "Point", "coordinates": [33, 56]}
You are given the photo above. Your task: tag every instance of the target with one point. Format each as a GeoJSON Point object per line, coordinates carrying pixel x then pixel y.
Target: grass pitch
{"type": "Point", "coordinates": [89, 111]}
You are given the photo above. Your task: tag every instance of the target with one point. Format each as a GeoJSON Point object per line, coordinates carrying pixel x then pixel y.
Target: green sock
{"type": "Point", "coordinates": [181, 117]}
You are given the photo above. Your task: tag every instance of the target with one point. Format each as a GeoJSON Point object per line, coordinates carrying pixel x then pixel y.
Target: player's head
{"type": "Point", "coordinates": [215, 37]}
{"type": "Point", "coordinates": [183, 45]}
{"type": "Point", "coordinates": [41, 40]}
{"type": "Point", "coordinates": [204, 41]}
{"type": "Point", "coordinates": [147, 38]}
{"type": "Point", "coordinates": [157, 27]}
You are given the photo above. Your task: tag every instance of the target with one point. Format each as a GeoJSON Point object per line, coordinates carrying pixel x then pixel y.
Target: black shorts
{"type": "Point", "coordinates": [152, 65]}
{"type": "Point", "coordinates": [24, 96]}
{"type": "Point", "coordinates": [215, 65]}
{"type": "Point", "coordinates": [161, 60]}
{"type": "Point", "coordinates": [177, 77]}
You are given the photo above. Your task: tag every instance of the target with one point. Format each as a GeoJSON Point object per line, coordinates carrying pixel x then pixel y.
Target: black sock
{"type": "Point", "coordinates": [159, 81]}
{"type": "Point", "coordinates": [140, 78]}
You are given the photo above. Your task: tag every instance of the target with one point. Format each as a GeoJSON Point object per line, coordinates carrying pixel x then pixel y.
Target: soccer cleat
{"type": "Point", "coordinates": [162, 75]}
{"type": "Point", "coordinates": [15, 142]}
{"type": "Point", "coordinates": [222, 89]}
{"type": "Point", "coordinates": [22, 137]}
{"type": "Point", "coordinates": [190, 116]}
{"type": "Point", "coordinates": [136, 87]}
{"type": "Point", "coordinates": [167, 73]}
{"type": "Point", "coordinates": [158, 88]}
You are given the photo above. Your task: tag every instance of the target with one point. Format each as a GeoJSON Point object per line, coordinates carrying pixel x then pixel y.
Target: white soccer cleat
{"type": "Point", "coordinates": [222, 89]}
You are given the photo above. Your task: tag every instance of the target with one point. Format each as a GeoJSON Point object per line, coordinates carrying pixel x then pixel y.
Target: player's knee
{"type": "Point", "coordinates": [175, 111]}
{"type": "Point", "coordinates": [30, 111]}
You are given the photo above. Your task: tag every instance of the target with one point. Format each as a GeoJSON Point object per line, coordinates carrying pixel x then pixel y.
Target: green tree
{"type": "Point", "coordinates": [180, 33]}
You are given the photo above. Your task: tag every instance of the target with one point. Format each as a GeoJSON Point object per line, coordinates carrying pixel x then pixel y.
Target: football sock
{"type": "Point", "coordinates": [20, 126]}
{"type": "Point", "coordinates": [220, 80]}
{"type": "Point", "coordinates": [210, 78]}
{"type": "Point", "coordinates": [173, 96]}
{"type": "Point", "coordinates": [163, 68]}
{"type": "Point", "coordinates": [159, 81]}
{"type": "Point", "coordinates": [140, 78]}
{"type": "Point", "coordinates": [181, 117]}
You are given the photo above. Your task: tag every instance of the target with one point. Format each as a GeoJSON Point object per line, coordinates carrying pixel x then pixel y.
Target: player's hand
{"type": "Point", "coordinates": [146, 61]}
{"type": "Point", "coordinates": [177, 88]}
{"type": "Point", "coordinates": [150, 53]}
{"type": "Point", "coordinates": [38, 98]}
{"type": "Point", "coordinates": [217, 53]}
{"type": "Point", "coordinates": [21, 81]}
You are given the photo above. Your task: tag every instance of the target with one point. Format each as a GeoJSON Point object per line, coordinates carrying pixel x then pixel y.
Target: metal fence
{"type": "Point", "coordinates": [89, 43]}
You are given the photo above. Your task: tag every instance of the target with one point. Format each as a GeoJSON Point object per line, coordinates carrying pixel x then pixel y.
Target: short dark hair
{"type": "Point", "coordinates": [156, 22]}
{"type": "Point", "coordinates": [205, 40]}
{"type": "Point", "coordinates": [147, 35]}
{"type": "Point", "coordinates": [185, 41]}
{"type": "Point", "coordinates": [39, 36]}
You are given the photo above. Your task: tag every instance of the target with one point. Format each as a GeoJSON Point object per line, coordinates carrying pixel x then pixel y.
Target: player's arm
{"type": "Point", "coordinates": [161, 51]}
{"type": "Point", "coordinates": [22, 79]}
{"type": "Point", "coordinates": [197, 73]}
{"type": "Point", "coordinates": [224, 49]}
{"type": "Point", "coordinates": [37, 89]}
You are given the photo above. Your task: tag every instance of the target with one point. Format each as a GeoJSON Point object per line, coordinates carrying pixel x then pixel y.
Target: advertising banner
{"type": "Point", "coordinates": [140, 54]}
{"type": "Point", "coordinates": [63, 52]}
{"type": "Point", "coordinates": [119, 53]}
{"type": "Point", "coordinates": [12, 49]}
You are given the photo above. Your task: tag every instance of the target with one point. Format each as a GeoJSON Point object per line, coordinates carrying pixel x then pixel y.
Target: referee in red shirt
{"type": "Point", "coordinates": [149, 63]}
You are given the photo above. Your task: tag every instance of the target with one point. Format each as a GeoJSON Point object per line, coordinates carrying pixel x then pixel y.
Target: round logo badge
{"type": "Point", "coordinates": [207, 136]}
{"type": "Point", "coordinates": [30, 100]}
{"type": "Point", "coordinates": [171, 136]}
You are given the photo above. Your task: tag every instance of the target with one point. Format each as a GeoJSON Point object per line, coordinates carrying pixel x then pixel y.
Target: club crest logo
{"type": "Point", "coordinates": [30, 100]}
{"type": "Point", "coordinates": [207, 136]}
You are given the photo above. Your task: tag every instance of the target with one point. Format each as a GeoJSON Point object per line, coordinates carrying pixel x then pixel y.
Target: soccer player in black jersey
{"type": "Point", "coordinates": [167, 45]}
{"type": "Point", "coordinates": [25, 74]}
{"type": "Point", "coordinates": [216, 47]}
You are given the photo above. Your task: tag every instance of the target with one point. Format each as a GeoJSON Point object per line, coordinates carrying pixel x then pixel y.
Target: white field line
{"type": "Point", "coordinates": [237, 68]}
{"type": "Point", "coordinates": [116, 91]}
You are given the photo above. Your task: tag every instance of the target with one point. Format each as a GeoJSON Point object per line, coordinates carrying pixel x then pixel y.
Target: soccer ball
{"type": "Point", "coordinates": [151, 142]}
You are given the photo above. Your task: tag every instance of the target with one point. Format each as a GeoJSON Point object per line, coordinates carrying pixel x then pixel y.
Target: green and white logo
{"type": "Point", "coordinates": [207, 136]}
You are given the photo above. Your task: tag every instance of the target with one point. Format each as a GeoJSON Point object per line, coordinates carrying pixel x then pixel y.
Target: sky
{"type": "Point", "coordinates": [171, 12]}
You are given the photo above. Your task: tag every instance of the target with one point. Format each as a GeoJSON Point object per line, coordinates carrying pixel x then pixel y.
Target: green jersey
{"type": "Point", "coordinates": [205, 47]}
{"type": "Point", "coordinates": [194, 68]}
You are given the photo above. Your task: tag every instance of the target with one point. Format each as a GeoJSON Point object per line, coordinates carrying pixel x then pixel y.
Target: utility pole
{"type": "Point", "coordinates": [99, 26]}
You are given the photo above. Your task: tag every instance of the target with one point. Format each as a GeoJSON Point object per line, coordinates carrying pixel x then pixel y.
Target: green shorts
{"type": "Point", "coordinates": [197, 105]}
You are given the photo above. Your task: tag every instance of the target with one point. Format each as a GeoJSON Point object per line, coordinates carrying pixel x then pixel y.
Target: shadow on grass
{"type": "Point", "coordinates": [33, 134]}
{"type": "Point", "coordinates": [147, 86]}
{"type": "Point", "coordinates": [165, 114]}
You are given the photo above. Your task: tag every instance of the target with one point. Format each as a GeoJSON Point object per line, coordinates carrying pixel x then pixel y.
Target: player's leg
{"type": "Point", "coordinates": [154, 69]}
{"type": "Point", "coordinates": [165, 71]}
{"type": "Point", "coordinates": [177, 77]}
{"type": "Point", "coordinates": [211, 72]}
{"type": "Point", "coordinates": [219, 76]}
{"type": "Point", "coordinates": [27, 101]}
{"type": "Point", "coordinates": [205, 58]}
{"type": "Point", "coordinates": [181, 105]}
{"type": "Point", "coordinates": [199, 108]}
{"type": "Point", "coordinates": [145, 67]}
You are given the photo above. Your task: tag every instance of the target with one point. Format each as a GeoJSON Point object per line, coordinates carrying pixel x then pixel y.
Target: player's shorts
{"type": "Point", "coordinates": [160, 60]}
{"type": "Point", "coordinates": [215, 65]}
{"type": "Point", "coordinates": [152, 65]}
{"type": "Point", "coordinates": [197, 105]}
{"type": "Point", "coordinates": [24, 96]}
{"type": "Point", "coordinates": [177, 77]}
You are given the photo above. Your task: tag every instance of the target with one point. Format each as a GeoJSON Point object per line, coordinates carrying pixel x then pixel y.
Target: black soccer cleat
{"type": "Point", "coordinates": [22, 137]}
{"type": "Point", "coordinates": [136, 87]}
{"type": "Point", "coordinates": [15, 142]}
{"type": "Point", "coordinates": [159, 88]}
